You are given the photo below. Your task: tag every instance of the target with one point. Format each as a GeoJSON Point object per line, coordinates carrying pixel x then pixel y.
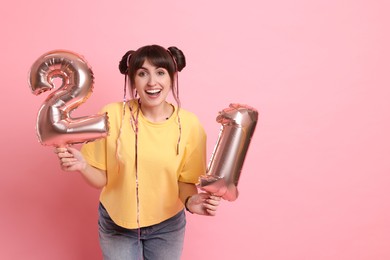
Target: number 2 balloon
{"type": "Point", "coordinates": [238, 123]}
{"type": "Point", "coordinates": [55, 126]}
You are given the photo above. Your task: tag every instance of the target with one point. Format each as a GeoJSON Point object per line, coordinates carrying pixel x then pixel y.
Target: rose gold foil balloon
{"type": "Point", "coordinates": [55, 126]}
{"type": "Point", "coordinates": [238, 123]}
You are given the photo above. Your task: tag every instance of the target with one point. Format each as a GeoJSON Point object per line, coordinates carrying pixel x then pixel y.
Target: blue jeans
{"type": "Point", "coordinates": [160, 241]}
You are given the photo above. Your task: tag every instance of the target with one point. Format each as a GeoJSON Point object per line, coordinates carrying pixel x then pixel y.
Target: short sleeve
{"type": "Point", "coordinates": [95, 152]}
{"type": "Point", "coordinates": [195, 160]}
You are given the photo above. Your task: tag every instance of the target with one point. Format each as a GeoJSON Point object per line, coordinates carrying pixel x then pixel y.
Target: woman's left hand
{"type": "Point", "coordinates": [203, 204]}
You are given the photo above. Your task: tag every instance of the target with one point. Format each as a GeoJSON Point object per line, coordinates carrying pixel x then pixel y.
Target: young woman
{"type": "Point", "coordinates": [148, 165]}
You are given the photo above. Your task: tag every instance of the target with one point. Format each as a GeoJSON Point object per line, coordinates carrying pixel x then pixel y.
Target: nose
{"type": "Point", "coordinates": [152, 80]}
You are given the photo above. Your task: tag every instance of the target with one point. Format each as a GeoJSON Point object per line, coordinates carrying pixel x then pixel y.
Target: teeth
{"type": "Point", "coordinates": [153, 91]}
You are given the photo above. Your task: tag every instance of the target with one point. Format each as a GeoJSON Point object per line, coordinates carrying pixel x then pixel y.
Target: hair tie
{"type": "Point", "coordinates": [127, 62]}
{"type": "Point", "coordinates": [173, 58]}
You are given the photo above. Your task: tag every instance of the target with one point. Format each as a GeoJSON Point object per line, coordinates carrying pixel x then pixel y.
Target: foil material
{"type": "Point", "coordinates": [238, 123]}
{"type": "Point", "coordinates": [55, 126]}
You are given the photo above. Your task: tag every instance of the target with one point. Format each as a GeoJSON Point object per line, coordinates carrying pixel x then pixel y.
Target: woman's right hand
{"type": "Point", "coordinates": [71, 159]}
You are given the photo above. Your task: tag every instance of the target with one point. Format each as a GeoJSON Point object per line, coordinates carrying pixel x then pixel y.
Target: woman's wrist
{"type": "Point", "coordinates": [84, 166]}
{"type": "Point", "coordinates": [186, 204]}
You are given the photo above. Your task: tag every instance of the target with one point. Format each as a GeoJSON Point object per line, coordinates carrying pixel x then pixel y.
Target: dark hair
{"type": "Point", "coordinates": [171, 59]}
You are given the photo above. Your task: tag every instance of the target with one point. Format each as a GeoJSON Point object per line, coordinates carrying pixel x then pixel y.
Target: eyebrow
{"type": "Point", "coordinates": [143, 68]}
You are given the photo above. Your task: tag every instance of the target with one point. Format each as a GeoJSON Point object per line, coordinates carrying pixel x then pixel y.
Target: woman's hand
{"type": "Point", "coordinates": [70, 159]}
{"type": "Point", "coordinates": [203, 204]}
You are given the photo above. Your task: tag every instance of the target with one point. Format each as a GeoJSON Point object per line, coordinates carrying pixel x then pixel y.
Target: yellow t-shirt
{"type": "Point", "coordinates": [159, 166]}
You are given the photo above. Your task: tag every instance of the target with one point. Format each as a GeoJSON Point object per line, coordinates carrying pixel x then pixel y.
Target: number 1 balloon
{"type": "Point", "coordinates": [54, 125]}
{"type": "Point", "coordinates": [238, 123]}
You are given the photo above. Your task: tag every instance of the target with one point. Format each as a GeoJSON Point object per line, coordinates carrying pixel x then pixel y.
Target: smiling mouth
{"type": "Point", "coordinates": [153, 92]}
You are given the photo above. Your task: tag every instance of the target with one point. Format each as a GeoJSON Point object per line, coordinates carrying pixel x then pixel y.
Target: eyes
{"type": "Point", "coordinates": [142, 72]}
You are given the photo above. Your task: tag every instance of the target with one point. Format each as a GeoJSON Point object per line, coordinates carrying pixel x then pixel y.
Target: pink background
{"type": "Point", "coordinates": [315, 184]}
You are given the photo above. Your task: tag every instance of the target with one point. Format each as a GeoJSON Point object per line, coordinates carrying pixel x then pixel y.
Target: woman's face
{"type": "Point", "coordinates": [152, 84]}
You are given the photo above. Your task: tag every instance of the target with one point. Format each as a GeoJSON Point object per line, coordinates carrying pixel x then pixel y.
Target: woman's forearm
{"type": "Point", "coordinates": [95, 177]}
{"type": "Point", "coordinates": [186, 190]}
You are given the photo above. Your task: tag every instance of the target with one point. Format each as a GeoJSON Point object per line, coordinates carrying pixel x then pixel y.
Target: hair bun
{"type": "Point", "coordinates": [123, 66]}
{"type": "Point", "coordinates": [178, 55]}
